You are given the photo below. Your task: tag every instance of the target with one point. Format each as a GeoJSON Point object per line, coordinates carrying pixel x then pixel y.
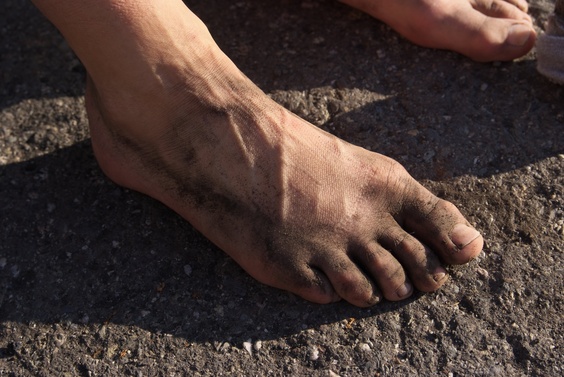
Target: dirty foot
{"type": "Point", "coordinates": [484, 30]}
{"type": "Point", "coordinates": [299, 209]}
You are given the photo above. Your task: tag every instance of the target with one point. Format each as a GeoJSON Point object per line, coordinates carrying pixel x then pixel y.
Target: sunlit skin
{"type": "Point", "coordinates": [483, 30]}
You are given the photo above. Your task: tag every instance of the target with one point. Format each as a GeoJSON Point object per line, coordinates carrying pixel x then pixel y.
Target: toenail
{"type": "Point", "coordinates": [518, 35]}
{"type": "Point", "coordinates": [404, 290]}
{"type": "Point", "coordinates": [462, 235]}
{"type": "Point", "coordinates": [439, 277]}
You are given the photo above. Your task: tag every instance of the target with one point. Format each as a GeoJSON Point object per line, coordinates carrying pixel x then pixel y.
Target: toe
{"type": "Point", "coordinates": [317, 287]}
{"type": "Point", "coordinates": [515, 9]}
{"type": "Point", "coordinates": [488, 30]}
{"type": "Point", "coordinates": [521, 4]}
{"type": "Point", "coordinates": [297, 277]}
{"type": "Point", "coordinates": [501, 39]}
{"type": "Point", "coordinates": [385, 270]}
{"type": "Point", "coordinates": [440, 225]}
{"type": "Point", "coordinates": [495, 35]}
{"type": "Point", "coordinates": [422, 266]}
{"type": "Point", "coordinates": [348, 281]}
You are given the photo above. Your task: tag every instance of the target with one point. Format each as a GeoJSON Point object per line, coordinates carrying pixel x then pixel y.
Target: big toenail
{"type": "Point", "coordinates": [404, 290]}
{"type": "Point", "coordinates": [518, 35]}
{"type": "Point", "coordinates": [462, 235]}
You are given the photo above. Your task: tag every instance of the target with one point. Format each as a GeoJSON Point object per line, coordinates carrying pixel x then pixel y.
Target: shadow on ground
{"type": "Point", "coordinates": [77, 248]}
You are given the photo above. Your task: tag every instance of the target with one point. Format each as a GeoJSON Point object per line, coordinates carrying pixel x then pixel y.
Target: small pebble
{"type": "Point", "coordinates": [258, 345]}
{"type": "Point", "coordinates": [364, 347]}
{"type": "Point", "coordinates": [248, 346]}
{"type": "Point", "coordinates": [60, 339]}
{"type": "Point", "coordinates": [187, 270]}
{"type": "Point", "coordinates": [15, 270]}
{"type": "Point", "coordinates": [313, 353]}
{"type": "Point", "coordinates": [219, 310]}
{"type": "Point", "coordinates": [482, 273]}
{"type": "Point", "coordinates": [102, 332]}
{"type": "Point", "coordinates": [225, 346]}
{"type": "Point", "coordinates": [318, 40]}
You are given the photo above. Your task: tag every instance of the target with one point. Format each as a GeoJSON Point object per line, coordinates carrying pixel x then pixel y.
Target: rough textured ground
{"type": "Point", "coordinates": [98, 280]}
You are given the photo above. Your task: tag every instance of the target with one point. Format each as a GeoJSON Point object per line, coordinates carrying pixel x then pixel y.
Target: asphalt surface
{"type": "Point", "coordinates": [98, 280]}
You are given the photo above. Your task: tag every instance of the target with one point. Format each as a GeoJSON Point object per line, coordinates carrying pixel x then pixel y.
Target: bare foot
{"type": "Point", "coordinates": [484, 30]}
{"type": "Point", "coordinates": [172, 117]}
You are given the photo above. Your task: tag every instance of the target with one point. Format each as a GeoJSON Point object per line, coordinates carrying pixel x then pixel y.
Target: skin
{"type": "Point", "coordinates": [483, 30]}
{"type": "Point", "coordinates": [299, 209]}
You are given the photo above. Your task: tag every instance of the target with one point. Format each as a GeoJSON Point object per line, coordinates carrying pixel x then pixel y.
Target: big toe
{"type": "Point", "coordinates": [499, 40]}
{"type": "Point", "coordinates": [492, 31]}
{"type": "Point", "coordinates": [439, 224]}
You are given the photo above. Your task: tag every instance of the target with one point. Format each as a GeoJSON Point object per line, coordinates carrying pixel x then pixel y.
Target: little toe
{"type": "Point", "coordinates": [308, 282]}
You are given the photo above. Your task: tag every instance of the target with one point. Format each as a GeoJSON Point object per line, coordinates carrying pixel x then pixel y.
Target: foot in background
{"type": "Point", "coordinates": [483, 30]}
